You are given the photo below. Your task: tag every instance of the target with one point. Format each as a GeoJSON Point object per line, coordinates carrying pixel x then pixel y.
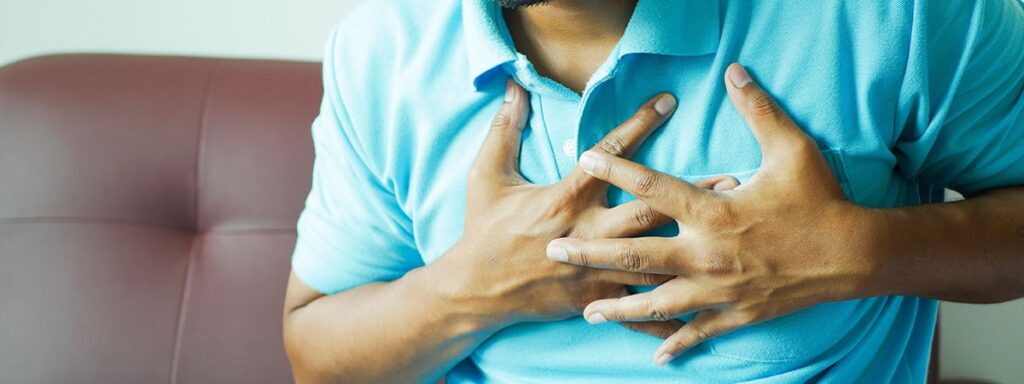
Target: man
{"type": "Point", "coordinates": [421, 249]}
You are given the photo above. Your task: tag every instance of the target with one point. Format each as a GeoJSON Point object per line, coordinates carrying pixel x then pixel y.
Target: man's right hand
{"type": "Point", "coordinates": [499, 264]}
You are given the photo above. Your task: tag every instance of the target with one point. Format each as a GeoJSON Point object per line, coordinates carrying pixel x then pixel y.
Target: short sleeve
{"type": "Point", "coordinates": [352, 231]}
{"type": "Point", "coordinates": [963, 96]}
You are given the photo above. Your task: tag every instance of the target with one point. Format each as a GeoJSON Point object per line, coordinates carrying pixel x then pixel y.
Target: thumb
{"type": "Point", "coordinates": [498, 158]}
{"type": "Point", "coordinates": [774, 130]}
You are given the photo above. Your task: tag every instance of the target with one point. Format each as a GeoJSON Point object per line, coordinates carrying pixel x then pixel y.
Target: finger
{"type": "Point", "coordinates": [660, 255]}
{"type": "Point", "coordinates": [659, 329]}
{"type": "Point", "coordinates": [668, 301]}
{"type": "Point", "coordinates": [774, 130]}
{"type": "Point", "coordinates": [625, 139]}
{"type": "Point", "coordinates": [629, 278]}
{"type": "Point", "coordinates": [666, 194]}
{"type": "Point", "coordinates": [706, 325]}
{"type": "Point", "coordinates": [498, 159]}
{"type": "Point", "coordinates": [637, 217]}
{"type": "Point", "coordinates": [628, 220]}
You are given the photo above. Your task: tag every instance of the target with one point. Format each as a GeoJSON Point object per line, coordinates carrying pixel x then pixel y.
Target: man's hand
{"type": "Point", "coordinates": [509, 222]}
{"type": "Point", "coordinates": [777, 244]}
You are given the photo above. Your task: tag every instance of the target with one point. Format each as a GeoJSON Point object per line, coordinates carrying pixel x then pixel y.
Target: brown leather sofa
{"type": "Point", "coordinates": [147, 212]}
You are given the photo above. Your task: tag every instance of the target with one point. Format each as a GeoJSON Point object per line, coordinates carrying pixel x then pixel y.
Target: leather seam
{"type": "Point", "coordinates": [186, 288]}
{"type": "Point", "coordinates": [204, 117]}
{"type": "Point", "coordinates": [186, 293]}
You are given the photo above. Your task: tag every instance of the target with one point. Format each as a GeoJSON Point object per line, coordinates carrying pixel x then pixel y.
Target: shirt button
{"type": "Point", "coordinates": [569, 148]}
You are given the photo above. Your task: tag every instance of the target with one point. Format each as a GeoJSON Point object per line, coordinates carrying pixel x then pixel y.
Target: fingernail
{"type": "Point", "coordinates": [510, 90]}
{"type": "Point", "coordinates": [557, 253]}
{"type": "Point", "coordinates": [587, 162]}
{"type": "Point", "coordinates": [725, 185]}
{"type": "Point", "coordinates": [596, 318]}
{"type": "Point", "coordinates": [739, 76]}
{"type": "Point", "coordinates": [665, 104]}
{"type": "Point", "coordinates": [663, 359]}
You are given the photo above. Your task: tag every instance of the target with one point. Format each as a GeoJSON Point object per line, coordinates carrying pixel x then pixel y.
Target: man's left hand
{"type": "Point", "coordinates": [786, 240]}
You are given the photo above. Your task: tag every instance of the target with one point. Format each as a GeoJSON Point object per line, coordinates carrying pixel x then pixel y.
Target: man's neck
{"type": "Point", "coordinates": [567, 40]}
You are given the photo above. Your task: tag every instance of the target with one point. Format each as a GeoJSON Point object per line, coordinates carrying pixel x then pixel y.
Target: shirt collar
{"type": "Point", "coordinates": [488, 42]}
{"type": "Point", "coordinates": [672, 28]}
{"type": "Point", "coordinates": [659, 27]}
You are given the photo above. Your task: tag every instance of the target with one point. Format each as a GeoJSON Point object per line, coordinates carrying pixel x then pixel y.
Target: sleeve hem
{"type": "Point", "coordinates": [321, 275]}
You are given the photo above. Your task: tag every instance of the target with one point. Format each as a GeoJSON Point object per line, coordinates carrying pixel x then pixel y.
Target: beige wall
{"type": "Point", "coordinates": [291, 29]}
{"type": "Point", "coordinates": [979, 341]}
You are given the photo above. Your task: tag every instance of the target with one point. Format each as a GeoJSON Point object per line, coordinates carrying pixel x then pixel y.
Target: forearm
{"type": "Point", "coordinates": [968, 251]}
{"type": "Point", "coordinates": [409, 330]}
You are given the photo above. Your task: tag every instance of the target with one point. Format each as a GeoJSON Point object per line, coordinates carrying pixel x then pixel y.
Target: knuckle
{"type": "Point", "coordinates": [501, 120]}
{"type": "Point", "coordinates": [630, 259]}
{"type": "Point", "coordinates": [716, 264]}
{"type": "Point", "coordinates": [603, 170]}
{"type": "Point", "coordinates": [644, 216]}
{"type": "Point", "coordinates": [700, 332]}
{"type": "Point", "coordinates": [649, 279]}
{"type": "Point", "coordinates": [582, 258]}
{"type": "Point", "coordinates": [657, 311]}
{"type": "Point", "coordinates": [728, 296]}
{"type": "Point", "coordinates": [646, 184]}
{"type": "Point", "coordinates": [714, 214]}
{"type": "Point", "coordinates": [645, 117]}
{"type": "Point", "coordinates": [761, 104]}
{"type": "Point", "coordinates": [612, 144]}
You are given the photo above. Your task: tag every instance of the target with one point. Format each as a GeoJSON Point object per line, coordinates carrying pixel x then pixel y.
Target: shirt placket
{"type": "Point", "coordinates": [597, 112]}
{"type": "Point", "coordinates": [569, 123]}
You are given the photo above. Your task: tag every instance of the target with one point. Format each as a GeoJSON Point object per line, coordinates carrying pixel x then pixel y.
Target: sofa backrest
{"type": "Point", "coordinates": [147, 212]}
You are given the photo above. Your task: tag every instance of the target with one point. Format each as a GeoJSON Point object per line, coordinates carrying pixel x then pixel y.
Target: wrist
{"type": "Point", "coordinates": [863, 252]}
{"type": "Point", "coordinates": [456, 285]}
{"type": "Point", "coordinates": [878, 235]}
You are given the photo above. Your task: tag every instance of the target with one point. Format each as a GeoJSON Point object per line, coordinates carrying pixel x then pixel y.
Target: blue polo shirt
{"type": "Point", "coordinates": [904, 98]}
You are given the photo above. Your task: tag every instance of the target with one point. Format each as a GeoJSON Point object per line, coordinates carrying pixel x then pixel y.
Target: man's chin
{"type": "Point", "coordinates": [514, 4]}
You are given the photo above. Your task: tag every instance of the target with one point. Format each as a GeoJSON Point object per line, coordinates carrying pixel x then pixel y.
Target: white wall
{"type": "Point", "coordinates": [283, 29]}
{"type": "Point", "coordinates": [983, 341]}
{"type": "Point", "coordinates": [978, 341]}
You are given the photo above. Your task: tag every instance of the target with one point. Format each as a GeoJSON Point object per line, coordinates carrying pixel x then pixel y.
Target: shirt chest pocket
{"type": "Point", "coordinates": [800, 336]}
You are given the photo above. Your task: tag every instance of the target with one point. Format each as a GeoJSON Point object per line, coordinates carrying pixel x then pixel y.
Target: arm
{"type": "Point", "coordinates": [782, 243]}
{"type": "Point", "coordinates": [400, 331]}
{"type": "Point", "coordinates": [790, 238]}
{"type": "Point", "coordinates": [969, 251]}
{"type": "Point", "coordinates": [418, 326]}
{"type": "Point", "coordinates": [964, 130]}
